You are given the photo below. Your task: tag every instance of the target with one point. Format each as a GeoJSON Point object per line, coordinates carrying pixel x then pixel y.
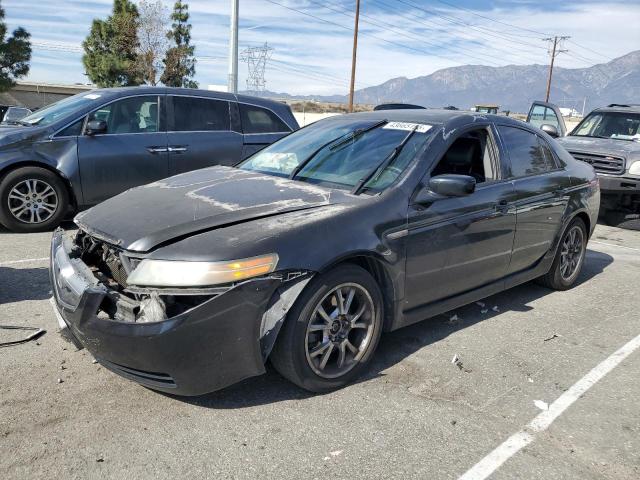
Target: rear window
{"type": "Point", "coordinates": [525, 152]}
{"type": "Point", "coordinates": [194, 114]}
{"type": "Point", "coordinates": [260, 120]}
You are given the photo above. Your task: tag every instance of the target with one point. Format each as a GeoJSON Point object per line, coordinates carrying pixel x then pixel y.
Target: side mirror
{"type": "Point", "coordinates": [550, 130]}
{"type": "Point", "coordinates": [95, 126]}
{"type": "Point", "coordinates": [451, 185]}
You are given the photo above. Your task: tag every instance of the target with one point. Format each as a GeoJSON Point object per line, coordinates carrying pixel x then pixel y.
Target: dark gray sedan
{"type": "Point", "coordinates": [306, 251]}
{"type": "Point", "coordinates": [94, 145]}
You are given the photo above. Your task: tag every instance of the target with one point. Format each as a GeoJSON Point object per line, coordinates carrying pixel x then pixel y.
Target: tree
{"type": "Point", "coordinates": [110, 57]}
{"type": "Point", "coordinates": [15, 53]}
{"type": "Point", "coordinates": [179, 64]}
{"type": "Point", "coordinates": [153, 40]}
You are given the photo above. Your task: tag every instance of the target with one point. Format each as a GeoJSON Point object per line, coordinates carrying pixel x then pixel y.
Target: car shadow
{"type": "Point", "coordinates": [394, 346]}
{"type": "Point", "coordinates": [18, 284]}
{"type": "Point", "coordinates": [66, 225]}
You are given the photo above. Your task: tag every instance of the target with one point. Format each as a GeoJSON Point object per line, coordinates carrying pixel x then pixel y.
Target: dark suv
{"type": "Point", "coordinates": [94, 145]}
{"type": "Point", "coordinates": [609, 139]}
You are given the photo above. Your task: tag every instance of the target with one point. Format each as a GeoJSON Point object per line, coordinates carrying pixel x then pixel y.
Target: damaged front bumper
{"type": "Point", "coordinates": [217, 343]}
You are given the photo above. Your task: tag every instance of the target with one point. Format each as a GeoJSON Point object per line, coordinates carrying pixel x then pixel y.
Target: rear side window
{"type": "Point", "coordinates": [194, 114]}
{"type": "Point", "coordinates": [525, 152]}
{"type": "Point", "coordinates": [260, 120]}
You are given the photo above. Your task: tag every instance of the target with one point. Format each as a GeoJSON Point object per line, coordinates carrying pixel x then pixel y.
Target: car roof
{"type": "Point", "coordinates": [619, 107]}
{"type": "Point", "coordinates": [432, 116]}
{"type": "Point", "coordinates": [196, 92]}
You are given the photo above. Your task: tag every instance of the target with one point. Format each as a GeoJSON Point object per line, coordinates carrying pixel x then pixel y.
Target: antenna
{"type": "Point", "coordinates": [256, 58]}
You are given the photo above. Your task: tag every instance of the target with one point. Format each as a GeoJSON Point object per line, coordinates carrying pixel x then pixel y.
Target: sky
{"type": "Point", "coordinates": [312, 39]}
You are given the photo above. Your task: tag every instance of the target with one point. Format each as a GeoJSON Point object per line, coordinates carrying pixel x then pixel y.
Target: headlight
{"type": "Point", "coordinates": [168, 273]}
{"type": "Point", "coordinates": [634, 169]}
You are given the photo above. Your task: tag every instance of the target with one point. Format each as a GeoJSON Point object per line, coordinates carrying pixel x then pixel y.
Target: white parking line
{"type": "Point", "coordinates": [524, 437]}
{"type": "Point", "coordinates": [26, 260]}
{"type": "Point", "coordinates": [614, 245]}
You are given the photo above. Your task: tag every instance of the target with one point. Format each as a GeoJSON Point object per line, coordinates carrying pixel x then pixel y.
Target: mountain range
{"type": "Point", "coordinates": [513, 87]}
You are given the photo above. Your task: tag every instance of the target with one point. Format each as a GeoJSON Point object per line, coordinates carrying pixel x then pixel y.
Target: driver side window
{"type": "Point", "coordinates": [472, 154]}
{"type": "Point", "coordinates": [129, 115]}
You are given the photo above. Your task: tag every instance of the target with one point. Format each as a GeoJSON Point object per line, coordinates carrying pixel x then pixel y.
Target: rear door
{"type": "Point", "coordinates": [544, 113]}
{"type": "Point", "coordinates": [132, 152]}
{"type": "Point", "coordinates": [200, 134]}
{"type": "Point", "coordinates": [540, 182]}
{"type": "Point", "coordinates": [260, 127]}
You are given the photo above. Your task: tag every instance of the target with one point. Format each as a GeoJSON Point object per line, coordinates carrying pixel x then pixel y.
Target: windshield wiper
{"type": "Point", "coordinates": [355, 134]}
{"type": "Point", "coordinates": [338, 141]}
{"type": "Point", "coordinates": [375, 172]}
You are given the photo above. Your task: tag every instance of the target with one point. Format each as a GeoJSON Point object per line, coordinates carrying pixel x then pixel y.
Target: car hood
{"type": "Point", "coordinates": [604, 146]}
{"type": "Point", "coordinates": [145, 217]}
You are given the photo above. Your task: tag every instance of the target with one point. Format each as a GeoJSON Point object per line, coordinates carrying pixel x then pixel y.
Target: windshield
{"type": "Point", "coordinates": [59, 110]}
{"type": "Point", "coordinates": [618, 125]}
{"type": "Point", "coordinates": [329, 153]}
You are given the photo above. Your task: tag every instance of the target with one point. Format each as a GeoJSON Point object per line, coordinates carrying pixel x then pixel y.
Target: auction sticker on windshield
{"type": "Point", "coordinates": [419, 127]}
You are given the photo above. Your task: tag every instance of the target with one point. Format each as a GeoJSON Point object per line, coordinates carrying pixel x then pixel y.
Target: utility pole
{"type": "Point", "coordinates": [353, 57]}
{"type": "Point", "coordinates": [232, 83]}
{"type": "Point", "coordinates": [554, 50]}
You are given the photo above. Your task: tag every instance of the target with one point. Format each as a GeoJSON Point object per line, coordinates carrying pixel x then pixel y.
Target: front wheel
{"type": "Point", "coordinates": [332, 330]}
{"type": "Point", "coordinates": [569, 258]}
{"type": "Point", "coordinates": [32, 199]}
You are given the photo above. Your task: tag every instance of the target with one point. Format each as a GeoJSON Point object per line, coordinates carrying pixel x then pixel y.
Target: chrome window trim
{"type": "Point", "coordinates": [86, 116]}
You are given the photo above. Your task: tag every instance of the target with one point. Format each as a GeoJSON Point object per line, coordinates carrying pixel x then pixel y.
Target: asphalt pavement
{"type": "Point", "coordinates": [414, 415]}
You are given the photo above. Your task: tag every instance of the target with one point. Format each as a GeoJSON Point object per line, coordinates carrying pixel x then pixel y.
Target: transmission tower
{"type": "Point", "coordinates": [256, 58]}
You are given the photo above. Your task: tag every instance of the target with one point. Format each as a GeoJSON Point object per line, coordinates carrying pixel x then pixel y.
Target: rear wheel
{"type": "Point", "coordinates": [569, 258]}
{"type": "Point", "coordinates": [332, 330]}
{"type": "Point", "coordinates": [32, 199]}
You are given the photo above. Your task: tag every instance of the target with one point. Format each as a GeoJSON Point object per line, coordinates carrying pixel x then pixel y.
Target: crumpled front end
{"type": "Point", "coordinates": [186, 342]}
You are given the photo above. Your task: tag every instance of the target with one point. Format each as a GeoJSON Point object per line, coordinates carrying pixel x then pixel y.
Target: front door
{"type": "Point", "coordinates": [457, 244]}
{"type": "Point", "coordinates": [132, 152]}
{"type": "Point", "coordinates": [544, 113]}
{"type": "Point", "coordinates": [200, 134]}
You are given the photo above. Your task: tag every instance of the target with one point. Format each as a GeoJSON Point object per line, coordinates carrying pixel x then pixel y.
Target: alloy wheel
{"type": "Point", "coordinates": [32, 201]}
{"type": "Point", "coordinates": [571, 253]}
{"type": "Point", "coordinates": [340, 330]}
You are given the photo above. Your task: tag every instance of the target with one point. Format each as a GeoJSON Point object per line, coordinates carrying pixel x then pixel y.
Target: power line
{"type": "Point", "coordinates": [473, 12]}
{"type": "Point", "coordinates": [483, 30]}
{"type": "Point", "coordinates": [391, 27]}
{"type": "Point", "coordinates": [399, 45]}
{"type": "Point", "coordinates": [465, 34]}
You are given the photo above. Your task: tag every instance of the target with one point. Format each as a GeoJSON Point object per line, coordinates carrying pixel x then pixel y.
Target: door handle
{"type": "Point", "coordinates": [177, 149]}
{"type": "Point", "coordinates": [156, 150]}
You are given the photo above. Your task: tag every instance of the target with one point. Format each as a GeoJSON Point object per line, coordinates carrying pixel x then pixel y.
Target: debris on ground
{"type": "Point", "coordinates": [60, 380]}
{"type": "Point", "coordinates": [454, 319]}
{"type": "Point", "coordinates": [541, 404]}
{"type": "Point", "coordinates": [335, 453]}
{"type": "Point", "coordinates": [495, 308]}
{"type": "Point", "coordinates": [480, 304]}
{"type": "Point", "coordinates": [530, 380]}
{"type": "Point", "coordinates": [99, 459]}
{"type": "Point", "coordinates": [555, 335]}
{"type": "Point", "coordinates": [453, 422]}
{"type": "Point", "coordinates": [37, 333]}
{"type": "Point", "coordinates": [458, 363]}
{"type": "Point", "coordinates": [94, 361]}
{"type": "Point", "coordinates": [483, 311]}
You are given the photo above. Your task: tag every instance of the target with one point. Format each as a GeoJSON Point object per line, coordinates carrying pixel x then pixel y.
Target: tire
{"type": "Point", "coordinates": [559, 277]}
{"type": "Point", "coordinates": [307, 332]}
{"type": "Point", "coordinates": [17, 211]}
